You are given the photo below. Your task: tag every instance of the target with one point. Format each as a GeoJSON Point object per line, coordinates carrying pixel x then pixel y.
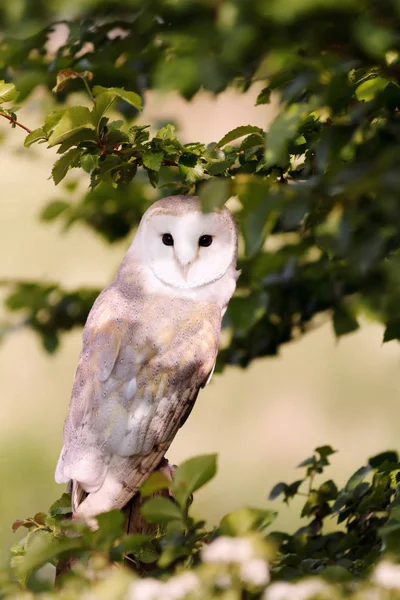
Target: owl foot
{"type": "Point", "coordinates": [168, 469]}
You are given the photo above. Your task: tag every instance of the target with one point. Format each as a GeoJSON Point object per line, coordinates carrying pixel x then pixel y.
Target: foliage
{"type": "Point", "coordinates": [317, 195]}
{"type": "Point", "coordinates": [239, 558]}
{"type": "Point", "coordinates": [319, 218]}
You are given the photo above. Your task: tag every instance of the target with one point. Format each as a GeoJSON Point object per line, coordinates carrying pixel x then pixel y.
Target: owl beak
{"type": "Point", "coordinates": [184, 257]}
{"type": "Point", "coordinates": [185, 270]}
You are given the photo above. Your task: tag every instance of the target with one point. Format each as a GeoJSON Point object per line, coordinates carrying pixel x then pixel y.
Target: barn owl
{"type": "Point", "coordinates": [149, 344]}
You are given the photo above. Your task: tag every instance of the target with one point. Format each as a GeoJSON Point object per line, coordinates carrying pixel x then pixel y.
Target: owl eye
{"type": "Point", "coordinates": [167, 239]}
{"type": "Point", "coordinates": [205, 240]}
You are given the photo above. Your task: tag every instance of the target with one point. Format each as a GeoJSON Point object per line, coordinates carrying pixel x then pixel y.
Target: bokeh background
{"type": "Point", "coordinates": [261, 421]}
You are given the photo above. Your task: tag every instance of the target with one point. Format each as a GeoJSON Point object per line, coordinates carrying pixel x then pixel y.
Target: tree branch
{"type": "Point", "coordinates": [15, 122]}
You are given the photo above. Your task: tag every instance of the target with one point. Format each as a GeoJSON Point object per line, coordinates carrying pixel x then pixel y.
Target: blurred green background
{"type": "Point", "coordinates": [262, 421]}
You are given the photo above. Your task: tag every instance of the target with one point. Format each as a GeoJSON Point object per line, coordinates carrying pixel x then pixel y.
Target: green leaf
{"type": "Point", "coordinates": [283, 130]}
{"type": "Point", "coordinates": [62, 165]}
{"type": "Point", "coordinates": [374, 38]}
{"type": "Point", "coordinates": [313, 501]}
{"type": "Point", "coordinates": [346, 493]}
{"type": "Point", "coordinates": [214, 193]}
{"type": "Point", "coordinates": [52, 119]}
{"type": "Point", "coordinates": [239, 132]}
{"type": "Point", "coordinates": [307, 461]}
{"type": "Point", "coordinates": [8, 92]}
{"type": "Point", "coordinates": [153, 160]}
{"type": "Point", "coordinates": [344, 322]}
{"type": "Point", "coordinates": [178, 73]}
{"type": "Point", "coordinates": [161, 510]}
{"type": "Point", "coordinates": [245, 312]}
{"type": "Point", "coordinates": [392, 331]}
{"type": "Point", "coordinates": [367, 90]}
{"type": "Point", "coordinates": [155, 482]}
{"type": "Point", "coordinates": [264, 97]}
{"type": "Point", "coordinates": [50, 342]}
{"type": "Point", "coordinates": [153, 177]}
{"type": "Point", "coordinates": [259, 212]}
{"type": "Point", "coordinates": [138, 545]}
{"type": "Point", "coordinates": [35, 136]}
{"type": "Point", "coordinates": [138, 134]}
{"type": "Point", "coordinates": [44, 549]}
{"type": "Point", "coordinates": [325, 451]}
{"type": "Point", "coordinates": [103, 104]}
{"type": "Point", "coordinates": [292, 489]}
{"type": "Point", "coordinates": [135, 541]}
{"type": "Point", "coordinates": [130, 97]}
{"type": "Point", "coordinates": [89, 162]}
{"type": "Point", "coordinates": [53, 210]}
{"type": "Point", "coordinates": [357, 478]}
{"type": "Point", "coordinates": [390, 533]}
{"type": "Point", "coordinates": [110, 524]}
{"type": "Point", "coordinates": [167, 133]}
{"type": "Point", "coordinates": [278, 489]}
{"type": "Point", "coordinates": [85, 138]}
{"type": "Point", "coordinates": [62, 506]}
{"type": "Point", "coordinates": [191, 475]}
{"type": "Point", "coordinates": [328, 490]}
{"type": "Point", "coordinates": [74, 119]}
{"type": "Point", "coordinates": [191, 174]}
{"type": "Point", "coordinates": [219, 166]}
{"type": "Point", "coordinates": [172, 554]}
{"type": "Point", "coordinates": [246, 520]}
{"type": "Point", "coordinates": [390, 456]}
{"type": "Point", "coordinates": [113, 585]}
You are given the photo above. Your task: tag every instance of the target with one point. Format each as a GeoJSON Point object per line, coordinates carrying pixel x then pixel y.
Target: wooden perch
{"type": "Point", "coordinates": [134, 523]}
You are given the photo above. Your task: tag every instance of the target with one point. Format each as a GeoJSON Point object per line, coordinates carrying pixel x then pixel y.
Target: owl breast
{"type": "Point", "coordinates": [159, 369]}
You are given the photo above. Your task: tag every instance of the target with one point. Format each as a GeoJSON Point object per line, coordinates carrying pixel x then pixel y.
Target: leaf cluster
{"type": "Point", "coordinates": [316, 196]}
{"type": "Point", "coordinates": [365, 511]}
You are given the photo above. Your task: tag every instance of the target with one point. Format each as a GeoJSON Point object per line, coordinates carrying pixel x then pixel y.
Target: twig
{"type": "Point", "coordinates": [15, 122]}
{"type": "Point", "coordinates": [89, 91]}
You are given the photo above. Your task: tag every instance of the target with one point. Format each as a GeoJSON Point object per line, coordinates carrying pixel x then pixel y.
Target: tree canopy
{"type": "Point", "coordinates": [319, 213]}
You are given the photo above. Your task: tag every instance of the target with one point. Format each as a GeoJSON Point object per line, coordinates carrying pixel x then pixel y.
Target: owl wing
{"type": "Point", "coordinates": [84, 457]}
{"type": "Point", "coordinates": [116, 434]}
{"type": "Point", "coordinates": [125, 475]}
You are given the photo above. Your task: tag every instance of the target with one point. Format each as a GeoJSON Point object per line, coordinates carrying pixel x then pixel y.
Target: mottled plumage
{"type": "Point", "coordinates": [149, 345]}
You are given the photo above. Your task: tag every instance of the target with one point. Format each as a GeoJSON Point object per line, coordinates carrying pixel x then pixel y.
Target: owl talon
{"type": "Point", "coordinates": [169, 472]}
{"type": "Point", "coordinates": [168, 469]}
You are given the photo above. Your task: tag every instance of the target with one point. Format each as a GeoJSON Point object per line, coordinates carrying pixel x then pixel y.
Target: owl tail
{"type": "Point", "coordinates": [122, 482]}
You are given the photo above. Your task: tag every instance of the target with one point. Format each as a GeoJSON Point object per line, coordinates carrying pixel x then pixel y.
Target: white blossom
{"type": "Point", "coordinates": [372, 594]}
{"type": "Point", "coordinates": [174, 589]}
{"type": "Point", "coordinates": [279, 591]}
{"type": "Point", "coordinates": [255, 571]}
{"type": "Point", "coordinates": [180, 586]}
{"type": "Point", "coordinates": [387, 575]}
{"type": "Point", "coordinates": [146, 589]}
{"type": "Point", "coordinates": [223, 581]}
{"type": "Point", "coordinates": [304, 590]}
{"type": "Point", "coordinates": [228, 550]}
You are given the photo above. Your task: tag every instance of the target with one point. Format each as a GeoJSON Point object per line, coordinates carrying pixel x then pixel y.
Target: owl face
{"type": "Point", "coordinates": [184, 247]}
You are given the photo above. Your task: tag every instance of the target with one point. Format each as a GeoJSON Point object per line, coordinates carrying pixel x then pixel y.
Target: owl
{"type": "Point", "coordinates": [149, 344]}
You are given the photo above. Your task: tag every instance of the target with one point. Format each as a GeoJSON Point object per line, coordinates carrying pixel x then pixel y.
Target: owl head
{"type": "Point", "coordinates": [184, 247]}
